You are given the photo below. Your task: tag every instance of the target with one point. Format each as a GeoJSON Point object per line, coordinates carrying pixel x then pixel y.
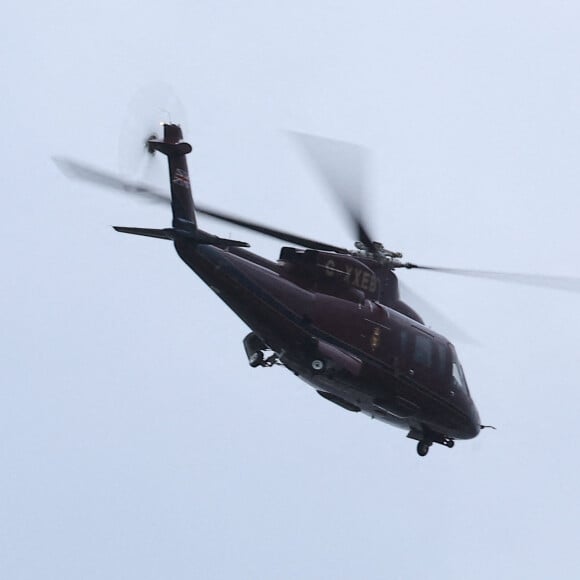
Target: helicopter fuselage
{"type": "Point", "coordinates": [330, 315]}
{"type": "Point", "coordinates": [338, 326]}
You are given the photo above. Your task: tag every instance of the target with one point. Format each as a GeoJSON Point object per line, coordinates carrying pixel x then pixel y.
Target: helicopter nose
{"type": "Point", "coordinates": [474, 430]}
{"type": "Point", "coordinates": [473, 424]}
{"type": "Point", "coordinates": [467, 429]}
{"type": "Point", "coordinates": [467, 425]}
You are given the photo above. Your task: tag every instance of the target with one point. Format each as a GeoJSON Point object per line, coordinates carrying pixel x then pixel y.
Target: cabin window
{"type": "Point", "coordinates": [423, 354]}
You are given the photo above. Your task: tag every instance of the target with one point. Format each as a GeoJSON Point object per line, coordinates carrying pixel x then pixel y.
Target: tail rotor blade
{"type": "Point", "coordinates": [149, 108]}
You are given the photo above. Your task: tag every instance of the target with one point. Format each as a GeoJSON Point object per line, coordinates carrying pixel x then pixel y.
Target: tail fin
{"type": "Point", "coordinates": [181, 198]}
{"type": "Point", "coordinates": [184, 222]}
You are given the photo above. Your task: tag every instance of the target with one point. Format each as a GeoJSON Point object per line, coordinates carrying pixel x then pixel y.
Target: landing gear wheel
{"type": "Point", "coordinates": [423, 448]}
{"type": "Point", "coordinates": [449, 443]}
{"type": "Point", "coordinates": [317, 365]}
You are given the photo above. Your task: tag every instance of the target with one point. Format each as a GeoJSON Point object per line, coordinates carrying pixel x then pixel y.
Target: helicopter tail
{"type": "Point", "coordinates": [184, 222]}
{"type": "Point", "coordinates": [176, 150]}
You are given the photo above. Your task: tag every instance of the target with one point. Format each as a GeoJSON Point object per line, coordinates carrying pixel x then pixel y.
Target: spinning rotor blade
{"type": "Point", "coordinates": [343, 167]}
{"type": "Point", "coordinates": [538, 280]}
{"type": "Point", "coordinates": [151, 105]}
{"type": "Point", "coordinates": [83, 172]}
{"type": "Point", "coordinates": [434, 317]}
{"type": "Point", "coordinates": [278, 234]}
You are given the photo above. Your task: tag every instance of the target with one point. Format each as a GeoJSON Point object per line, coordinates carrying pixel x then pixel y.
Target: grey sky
{"type": "Point", "coordinates": [135, 440]}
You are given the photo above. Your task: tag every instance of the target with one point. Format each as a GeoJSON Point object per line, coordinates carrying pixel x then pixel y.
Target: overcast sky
{"type": "Point", "coordinates": [135, 441]}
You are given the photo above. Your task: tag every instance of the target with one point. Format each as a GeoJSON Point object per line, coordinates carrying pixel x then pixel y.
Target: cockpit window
{"type": "Point", "coordinates": [459, 381]}
{"type": "Point", "coordinates": [457, 376]}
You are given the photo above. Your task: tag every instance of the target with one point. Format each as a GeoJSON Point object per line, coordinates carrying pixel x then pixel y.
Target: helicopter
{"type": "Point", "coordinates": [330, 315]}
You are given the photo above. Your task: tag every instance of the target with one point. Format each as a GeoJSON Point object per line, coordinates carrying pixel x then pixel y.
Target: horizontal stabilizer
{"type": "Point", "coordinates": [165, 234]}
{"type": "Point", "coordinates": [198, 236]}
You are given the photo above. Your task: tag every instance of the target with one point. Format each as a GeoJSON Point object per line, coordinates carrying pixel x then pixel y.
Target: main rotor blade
{"type": "Point", "coordinates": [539, 280]}
{"type": "Point", "coordinates": [278, 234]}
{"type": "Point", "coordinates": [434, 317]}
{"type": "Point", "coordinates": [84, 172]}
{"type": "Point", "coordinates": [343, 167]}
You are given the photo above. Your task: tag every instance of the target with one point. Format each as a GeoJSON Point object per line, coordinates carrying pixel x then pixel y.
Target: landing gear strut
{"type": "Point", "coordinates": [426, 438]}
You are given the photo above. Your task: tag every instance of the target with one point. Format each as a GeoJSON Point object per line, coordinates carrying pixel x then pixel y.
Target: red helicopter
{"type": "Point", "coordinates": [330, 315]}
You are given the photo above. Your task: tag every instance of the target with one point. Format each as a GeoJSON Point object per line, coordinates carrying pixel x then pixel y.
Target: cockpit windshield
{"type": "Point", "coordinates": [457, 375]}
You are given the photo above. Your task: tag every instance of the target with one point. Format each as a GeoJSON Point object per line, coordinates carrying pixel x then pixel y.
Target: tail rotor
{"type": "Point", "coordinates": [151, 107]}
